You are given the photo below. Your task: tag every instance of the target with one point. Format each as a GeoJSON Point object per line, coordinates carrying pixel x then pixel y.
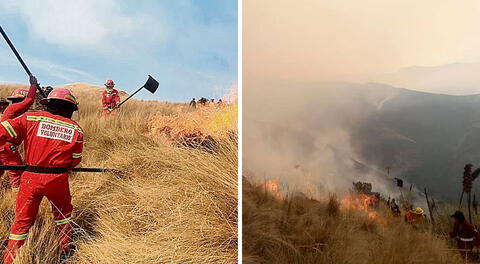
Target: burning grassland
{"type": "Point", "coordinates": [273, 188]}
{"type": "Point", "coordinates": [350, 229]}
{"type": "Point", "coordinates": [202, 127]}
{"type": "Point", "coordinates": [364, 203]}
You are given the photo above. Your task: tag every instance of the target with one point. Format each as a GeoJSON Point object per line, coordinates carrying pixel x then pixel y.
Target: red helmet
{"type": "Point", "coordinates": [19, 93]}
{"type": "Point", "coordinates": [109, 83]}
{"type": "Point", "coordinates": [61, 94]}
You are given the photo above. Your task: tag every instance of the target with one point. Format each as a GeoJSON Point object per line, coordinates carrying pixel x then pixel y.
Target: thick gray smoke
{"type": "Point", "coordinates": [301, 134]}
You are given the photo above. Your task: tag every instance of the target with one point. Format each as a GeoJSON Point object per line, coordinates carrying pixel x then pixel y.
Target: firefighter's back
{"type": "Point", "coordinates": [51, 140]}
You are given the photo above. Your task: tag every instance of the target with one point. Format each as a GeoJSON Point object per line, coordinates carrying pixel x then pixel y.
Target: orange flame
{"type": "Point", "coordinates": [273, 187]}
{"type": "Point", "coordinates": [364, 203]}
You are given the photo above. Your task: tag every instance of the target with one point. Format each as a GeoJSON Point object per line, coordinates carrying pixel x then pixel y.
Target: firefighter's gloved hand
{"type": "Point", "coordinates": [33, 80]}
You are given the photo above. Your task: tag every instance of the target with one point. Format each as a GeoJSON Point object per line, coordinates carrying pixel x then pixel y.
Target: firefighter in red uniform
{"type": "Point", "coordinates": [53, 146]}
{"type": "Point", "coordinates": [464, 232]}
{"type": "Point", "coordinates": [3, 105]}
{"type": "Point", "coordinates": [110, 99]}
{"type": "Point", "coordinates": [22, 100]}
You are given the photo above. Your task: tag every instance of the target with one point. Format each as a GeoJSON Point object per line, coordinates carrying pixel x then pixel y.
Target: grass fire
{"type": "Point", "coordinates": [357, 227]}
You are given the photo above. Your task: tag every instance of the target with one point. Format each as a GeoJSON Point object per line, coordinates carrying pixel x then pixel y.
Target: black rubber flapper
{"type": "Point", "coordinates": [399, 182]}
{"type": "Point", "coordinates": [151, 85]}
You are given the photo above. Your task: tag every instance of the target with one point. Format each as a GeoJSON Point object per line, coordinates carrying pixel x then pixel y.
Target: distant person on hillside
{"type": "Point", "coordinates": [193, 103]}
{"type": "Point", "coordinates": [415, 217]}
{"type": "Point", "coordinates": [53, 146]}
{"type": "Point", "coordinates": [110, 99]}
{"type": "Point", "coordinates": [220, 103]}
{"type": "Point", "coordinates": [395, 208]}
{"type": "Point", "coordinates": [22, 100]}
{"type": "Point", "coordinates": [203, 101]}
{"type": "Point", "coordinates": [212, 102]}
{"type": "Point", "coordinates": [3, 105]}
{"type": "Point", "coordinates": [464, 232]}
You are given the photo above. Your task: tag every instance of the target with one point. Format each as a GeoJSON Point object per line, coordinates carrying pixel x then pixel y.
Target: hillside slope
{"type": "Point", "coordinates": [174, 204]}
{"type": "Point", "coordinates": [303, 230]}
{"type": "Point", "coordinates": [423, 138]}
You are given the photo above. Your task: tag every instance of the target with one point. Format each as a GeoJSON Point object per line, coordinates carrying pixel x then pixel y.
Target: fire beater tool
{"type": "Point", "coordinates": [20, 59]}
{"type": "Point", "coordinates": [151, 85]}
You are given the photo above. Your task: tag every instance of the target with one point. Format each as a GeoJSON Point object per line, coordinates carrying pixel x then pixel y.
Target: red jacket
{"type": "Point", "coordinates": [17, 109]}
{"type": "Point", "coordinates": [465, 231]}
{"type": "Point", "coordinates": [110, 100]}
{"type": "Point", "coordinates": [49, 140]}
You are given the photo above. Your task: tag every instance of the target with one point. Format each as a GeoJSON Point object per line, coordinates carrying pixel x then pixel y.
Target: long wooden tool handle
{"type": "Point", "coordinates": [461, 199]}
{"type": "Point", "coordinates": [23, 167]}
{"type": "Point", "coordinates": [129, 97]}
{"type": "Point", "coordinates": [430, 210]}
{"type": "Point", "coordinates": [10, 44]}
{"type": "Point", "coordinates": [95, 170]}
{"type": "Point", "coordinates": [469, 204]}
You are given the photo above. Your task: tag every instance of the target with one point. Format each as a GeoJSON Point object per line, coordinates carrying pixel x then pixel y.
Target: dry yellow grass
{"type": "Point", "coordinates": [174, 205]}
{"type": "Point", "coordinates": [200, 126]}
{"type": "Point", "coordinates": [301, 230]}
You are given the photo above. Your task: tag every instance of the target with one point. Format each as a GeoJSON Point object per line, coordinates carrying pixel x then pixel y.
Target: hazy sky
{"type": "Point", "coordinates": [298, 125]}
{"type": "Point", "coordinates": [351, 40]}
{"type": "Point", "coordinates": [189, 46]}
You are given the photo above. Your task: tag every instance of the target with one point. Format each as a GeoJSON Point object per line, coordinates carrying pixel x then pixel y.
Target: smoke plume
{"type": "Point", "coordinates": [301, 135]}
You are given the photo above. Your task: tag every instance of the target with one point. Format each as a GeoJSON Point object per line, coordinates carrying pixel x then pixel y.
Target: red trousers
{"type": "Point", "coordinates": [9, 155]}
{"type": "Point", "coordinates": [33, 187]}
